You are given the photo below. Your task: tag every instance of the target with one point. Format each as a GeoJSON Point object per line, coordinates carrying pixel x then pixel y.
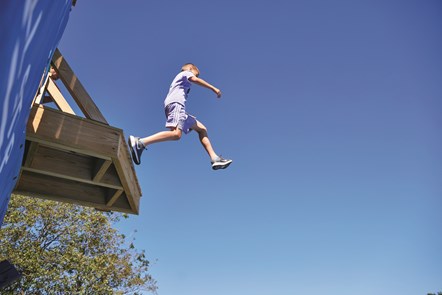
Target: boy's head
{"type": "Point", "coordinates": [192, 68]}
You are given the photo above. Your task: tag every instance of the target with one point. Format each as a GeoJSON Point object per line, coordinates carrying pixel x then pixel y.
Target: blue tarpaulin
{"type": "Point", "coordinates": [30, 31]}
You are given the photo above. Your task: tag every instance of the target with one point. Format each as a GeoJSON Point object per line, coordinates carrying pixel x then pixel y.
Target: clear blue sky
{"type": "Point", "coordinates": [331, 111]}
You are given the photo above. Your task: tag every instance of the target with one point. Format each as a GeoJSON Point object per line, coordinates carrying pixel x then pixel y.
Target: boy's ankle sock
{"type": "Point", "coordinates": [141, 144]}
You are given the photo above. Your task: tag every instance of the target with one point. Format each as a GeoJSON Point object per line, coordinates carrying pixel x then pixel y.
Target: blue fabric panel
{"type": "Point", "coordinates": [30, 30]}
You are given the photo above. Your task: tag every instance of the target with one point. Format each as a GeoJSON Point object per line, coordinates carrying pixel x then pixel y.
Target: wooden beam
{"type": "Point", "coordinates": [67, 132]}
{"type": "Point", "coordinates": [126, 171]}
{"type": "Point", "coordinates": [114, 198]}
{"type": "Point", "coordinates": [58, 98]}
{"type": "Point", "coordinates": [64, 164]}
{"type": "Point", "coordinates": [64, 190]}
{"type": "Point", "coordinates": [111, 176]}
{"type": "Point", "coordinates": [76, 89]}
{"type": "Point", "coordinates": [73, 178]}
{"type": "Point", "coordinates": [29, 157]}
{"type": "Point", "coordinates": [100, 169]}
{"type": "Point", "coordinates": [30, 149]}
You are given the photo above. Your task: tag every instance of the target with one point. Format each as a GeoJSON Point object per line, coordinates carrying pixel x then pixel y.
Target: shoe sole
{"type": "Point", "coordinates": [221, 166]}
{"type": "Point", "coordinates": [131, 143]}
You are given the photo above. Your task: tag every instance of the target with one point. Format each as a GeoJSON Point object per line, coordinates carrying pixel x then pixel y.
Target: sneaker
{"type": "Point", "coordinates": [136, 149]}
{"type": "Point", "coordinates": [221, 163]}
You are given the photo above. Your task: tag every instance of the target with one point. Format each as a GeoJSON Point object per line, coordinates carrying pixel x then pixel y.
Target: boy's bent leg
{"type": "Point", "coordinates": [204, 139]}
{"type": "Point", "coordinates": [217, 161]}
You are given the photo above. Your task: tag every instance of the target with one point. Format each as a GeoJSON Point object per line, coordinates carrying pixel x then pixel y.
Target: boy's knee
{"type": "Point", "coordinates": [176, 134]}
{"type": "Point", "coordinates": [202, 130]}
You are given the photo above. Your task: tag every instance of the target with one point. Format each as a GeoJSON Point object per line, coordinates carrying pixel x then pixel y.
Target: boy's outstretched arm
{"type": "Point", "coordinates": [203, 83]}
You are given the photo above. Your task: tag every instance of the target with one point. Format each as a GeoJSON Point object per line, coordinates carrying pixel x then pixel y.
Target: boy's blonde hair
{"type": "Point", "coordinates": [190, 66]}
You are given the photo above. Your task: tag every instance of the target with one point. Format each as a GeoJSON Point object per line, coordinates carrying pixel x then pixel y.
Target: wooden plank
{"type": "Point", "coordinates": [126, 171]}
{"type": "Point", "coordinates": [68, 132]}
{"type": "Point", "coordinates": [63, 190]}
{"type": "Point", "coordinates": [58, 98]}
{"type": "Point", "coordinates": [101, 167]}
{"type": "Point", "coordinates": [122, 202]}
{"type": "Point", "coordinates": [114, 198]}
{"type": "Point", "coordinates": [68, 177]}
{"type": "Point", "coordinates": [29, 157]}
{"type": "Point", "coordinates": [76, 89]}
{"type": "Point", "coordinates": [111, 176]}
{"type": "Point", "coordinates": [70, 166]}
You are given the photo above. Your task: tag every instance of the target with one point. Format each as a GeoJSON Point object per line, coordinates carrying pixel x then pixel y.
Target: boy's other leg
{"type": "Point", "coordinates": [217, 161]}
{"type": "Point", "coordinates": [204, 139]}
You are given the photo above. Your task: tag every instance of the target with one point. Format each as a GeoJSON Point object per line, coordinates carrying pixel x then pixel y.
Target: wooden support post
{"type": "Point", "coordinates": [76, 89]}
{"type": "Point", "coordinates": [114, 198]}
{"type": "Point", "coordinates": [100, 169]}
{"type": "Point", "coordinates": [58, 98]}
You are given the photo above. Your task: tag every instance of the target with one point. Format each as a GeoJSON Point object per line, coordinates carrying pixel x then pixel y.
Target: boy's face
{"type": "Point", "coordinates": [195, 71]}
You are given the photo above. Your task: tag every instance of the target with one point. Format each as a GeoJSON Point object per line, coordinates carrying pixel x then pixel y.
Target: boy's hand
{"type": "Point", "coordinates": [218, 92]}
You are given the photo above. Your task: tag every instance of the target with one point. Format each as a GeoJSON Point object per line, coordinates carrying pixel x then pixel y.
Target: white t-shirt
{"type": "Point", "coordinates": [179, 88]}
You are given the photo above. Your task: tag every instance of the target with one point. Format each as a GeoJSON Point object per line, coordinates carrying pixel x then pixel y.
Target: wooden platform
{"type": "Point", "coordinates": [73, 159]}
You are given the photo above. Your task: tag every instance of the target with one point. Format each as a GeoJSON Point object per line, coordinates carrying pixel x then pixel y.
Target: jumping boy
{"type": "Point", "coordinates": [178, 120]}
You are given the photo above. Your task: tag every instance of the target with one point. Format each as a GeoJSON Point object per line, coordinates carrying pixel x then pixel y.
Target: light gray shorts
{"type": "Point", "coordinates": [177, 117]}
